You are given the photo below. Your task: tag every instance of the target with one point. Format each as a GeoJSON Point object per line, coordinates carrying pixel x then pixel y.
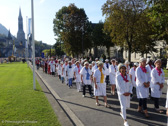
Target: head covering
{"type": "Point", "coordinates": [106, 60]}
{"type": "Point", "coordinates": [148, 60]}
{"type": "Point", "coordinates": [77, 62]}
{"type": "Point", "coordinates": [136, 64]}
{"type": "Point", "coordinates": [69, 62]}
{"type": "Point", "coordinates": [127, 62]}
{"type": "Point", "coordinates": [96, 59]}
{"type": "Point", "coordinates": [51, 57]}
{"type": "Point", "coordinates": [97, 62]}
{"type": "Point", "coordinates": [100, 63]}
{"type": "Point", "coordinates": [86, 63]}
{"type": "Point", "coordinates": [120, 66]}
{"type": "Point", "coordinates": [113, 60]}
{"type": "Point", "coordinates": [158, 60]}
{"type": "Point", "coordinates": [142, 59]}
{"type": "Point", "coordinates": [93, 62]}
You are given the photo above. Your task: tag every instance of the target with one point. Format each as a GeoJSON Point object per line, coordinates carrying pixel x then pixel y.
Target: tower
{"type": "Point", "coordinates": [20, 34]}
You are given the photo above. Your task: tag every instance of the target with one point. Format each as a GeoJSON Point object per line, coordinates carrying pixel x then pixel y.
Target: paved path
{"type": "Point", "coordinates": [88, 114]}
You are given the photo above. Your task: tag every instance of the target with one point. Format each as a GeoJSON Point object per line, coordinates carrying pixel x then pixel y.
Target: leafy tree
{"type": "Point", "coordinates": [70, 26]}
{"type": "Point", "coordinates": [125, 20]}
{"type": "Point", "coordinates": [158, 13]}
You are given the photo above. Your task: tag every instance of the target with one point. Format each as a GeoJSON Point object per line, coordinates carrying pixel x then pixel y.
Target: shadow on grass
{"type": "Point", "coordinates": [42, 91]}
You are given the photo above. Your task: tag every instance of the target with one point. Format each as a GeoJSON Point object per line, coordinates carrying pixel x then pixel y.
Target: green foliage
{"type": "Point", "coordinates": [127, 23]}
{"type": "Point", "coordinates": [19, 102]}
{"type": "Point", "coordinates": [49, 52]}
{"type": "Point", "coordinates": [158, 13]}
{"type": "Point", "coordinates": [70, 25]}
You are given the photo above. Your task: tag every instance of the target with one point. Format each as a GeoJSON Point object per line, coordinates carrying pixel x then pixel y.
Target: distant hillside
{"type": "Point", "coordinates": [3, 30]}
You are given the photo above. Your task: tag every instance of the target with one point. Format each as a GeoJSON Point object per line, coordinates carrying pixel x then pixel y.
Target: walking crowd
{"type": "Point", "coordinates": [144, 79]}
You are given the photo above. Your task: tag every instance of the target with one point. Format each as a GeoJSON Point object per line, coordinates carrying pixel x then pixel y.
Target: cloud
{"type": "Point", "coordinates": [42, 1]}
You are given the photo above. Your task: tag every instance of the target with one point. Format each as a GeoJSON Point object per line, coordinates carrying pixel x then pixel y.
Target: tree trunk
{"type": "Point", "coordinates": [129, 53]}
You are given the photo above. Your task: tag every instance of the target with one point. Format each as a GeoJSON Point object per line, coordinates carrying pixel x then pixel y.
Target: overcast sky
{"type": "Point", "coordinates": [44, 14]}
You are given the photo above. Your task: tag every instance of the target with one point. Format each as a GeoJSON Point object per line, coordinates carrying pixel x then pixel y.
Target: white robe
{"type": "Point", "coordinates": [167, 98]}
{"type": "Point", "coordinates": [101, 87]}
{"type": "Point", "coordinates": [84, 73]}
{"type": "Point", "coordinates": [52, 66]}
{"type": "Point", "coordinates": [132, 72]}
{"type": "Point", "coordinates": [112, 74]}
{"type": "Point", "coordinates": [70, 72]}
{"type": "Point", "coordinates": [123, 87]}
{"type": "Point", "coordinates": [78, 76]}
{"type": "Point", "coordinates": [141, 77]}
{"type": "Point", "coordinates": [155, 88]}
{"type": "Point", "coordinates": [107, 69]}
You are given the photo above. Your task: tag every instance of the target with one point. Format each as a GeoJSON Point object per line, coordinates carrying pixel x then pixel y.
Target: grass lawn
{"type": "Point", "coordinates": [19, 103]}
{"type": "Point", "coordinates": [166, 72]}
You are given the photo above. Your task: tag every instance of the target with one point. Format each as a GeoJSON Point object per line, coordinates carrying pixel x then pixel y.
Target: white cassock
{"type": "Point", "coordinates": [123, 87]}
{"type": "Point", "coordinates": [106, 69]}
{"type": "Point", "coordinates": [132, 72]}
{"type": "Point", "coordinates": [127, 69]}
{"type": "Point", "coordinates": [94, 68]}
{"type": "Point", "coordinates": [52, 66]}
{"type": "Point", "coordinates": [101, 87]}
{"type": "Point", "coordinates": [78, 77]}
{"type": "Point", "coordinates": [155, 88]}
{"type": "Point", "coordinates": [149, 68]}
{"type": "Point", "coordinates": [167, 98]}
{"type": "Point", "coordinates": [141, 78]}
{"type": "Point", "coordinates": [64, 73]}
{"type": "Point", "coordinates": [86, 79]}
{"type": "Point", "coordinates": [70, 71]}
{"type": "Point", "coordinates": [59, 69]}
{"type": "Point", "coordinates": [112, 74]}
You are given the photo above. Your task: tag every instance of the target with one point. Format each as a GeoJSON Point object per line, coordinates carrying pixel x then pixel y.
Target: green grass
{"type": "Point", "coordinates": [19, 102]}
{"type": "Point", "coordinates": [166, 72]}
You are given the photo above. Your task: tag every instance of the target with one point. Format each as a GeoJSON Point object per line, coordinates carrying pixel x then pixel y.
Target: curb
{"type": "Point", "coordinates": [70, 113]}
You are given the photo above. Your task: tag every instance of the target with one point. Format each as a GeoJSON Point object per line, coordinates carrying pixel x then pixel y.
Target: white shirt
{"type": "Point", "coordinates": [155, 88]}
{"type": "Point", "coordinates": [52, 66]}
{"type": "Point", "coordinates": [84, 73]}
{"type": "Point", "coordinates": [141, 78]}
{"type": "Point", "coordinates": [149, 68]}
{"type": "Point", "coordinates": [94, 68]}
{"type": "Point", "coordinates": [132, 73]}
{"type": "Point", "coordinates": [78, 76]}
{"type": "Point", "coordinates": [69, 72]}
{"type": "Point", "coordinates": [106, 69]}
{"type": "Point", "coordinates": [123, 86]}
{"type": "Point", "coordinates": [113, 70]}
{"type": "Point", "coordinates": [97, 75]}
{"type": "Point", "coordinates": [64, 67]}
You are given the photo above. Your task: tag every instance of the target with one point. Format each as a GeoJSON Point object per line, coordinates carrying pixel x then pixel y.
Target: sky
{"type": "Point", "coordinates": [44, 13]}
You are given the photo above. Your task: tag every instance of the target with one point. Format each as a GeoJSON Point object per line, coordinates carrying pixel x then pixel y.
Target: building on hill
{"type": "Point", "coordinates": [15, 46]}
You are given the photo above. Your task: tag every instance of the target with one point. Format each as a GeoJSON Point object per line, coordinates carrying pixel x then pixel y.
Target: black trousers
{"type": "Point", "coordinates": [156, 102]}
{"type": "Point", "coordinates": [84, 89]}
{"type": "Point", "coordinates": [107, 79]}
{"type": "Point", "coordinates": [143, 103]}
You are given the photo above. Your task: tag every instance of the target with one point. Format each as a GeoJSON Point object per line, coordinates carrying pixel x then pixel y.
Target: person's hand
{"type": "Point", "coordinates": [96, 86]}
{"type": "Point", "coordinates": [126, 94]}
{"type": "Point", "coordinates": [167, 112]}
{"type": "Point", "coordinates": [74, 77]}
{"type": "Point", "coordinates": [161, 86]}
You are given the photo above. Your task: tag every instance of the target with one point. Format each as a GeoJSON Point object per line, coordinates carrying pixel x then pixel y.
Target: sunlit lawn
{"type": "Point", "coordinates": [19, 103]}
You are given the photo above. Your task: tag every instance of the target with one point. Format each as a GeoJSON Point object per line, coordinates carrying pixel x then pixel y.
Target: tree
{"type": "Point", "coordinates": [70, 26]}
{"type": "Point", "coordinates": [100, 37]}
{"type": "Point", "coordinates": [58, 48]}
{"type": "Point", "coordinates": [158, 13]}
{"type": "Point", "coordinates": [125, 20]}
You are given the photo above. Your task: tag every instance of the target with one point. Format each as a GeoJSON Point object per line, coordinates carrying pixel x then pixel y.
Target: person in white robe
{"type": "Point", "coordinates": [92, 81]}
{"type": "Point", "coordinates": [149, 66]}
{"type": "Point", "coordinates": [143, 79]}
{"type": "Point", "coordinates": [52, 66]}
{"type": "Point", "coordinates": [86, 79]}
{"type": "Point", "coordinates": [64, 71]}
{"type": "Point", "coordinates": [132, 77]}
{"type": "Point", "coordinates": [157, 84]}
{"type": "Point", "coordinates": [61, 72]}
{"type": "Point", "coordinates": [106, 66]}
{"type": "Point", "coordinates": [100, 85]}
{"type": "Point", "coordinates": [112, 75]}
{"type": "Point", "coordinates": [124, 90]}
{"type": "Point", "coordinates": [59, 69]}
{"type": "Point", "coordinates": [77, 75]}
{"type": "Point", "coordinates": [127, 63]}
{"type": "Point", "coordinates": [69, 73]}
